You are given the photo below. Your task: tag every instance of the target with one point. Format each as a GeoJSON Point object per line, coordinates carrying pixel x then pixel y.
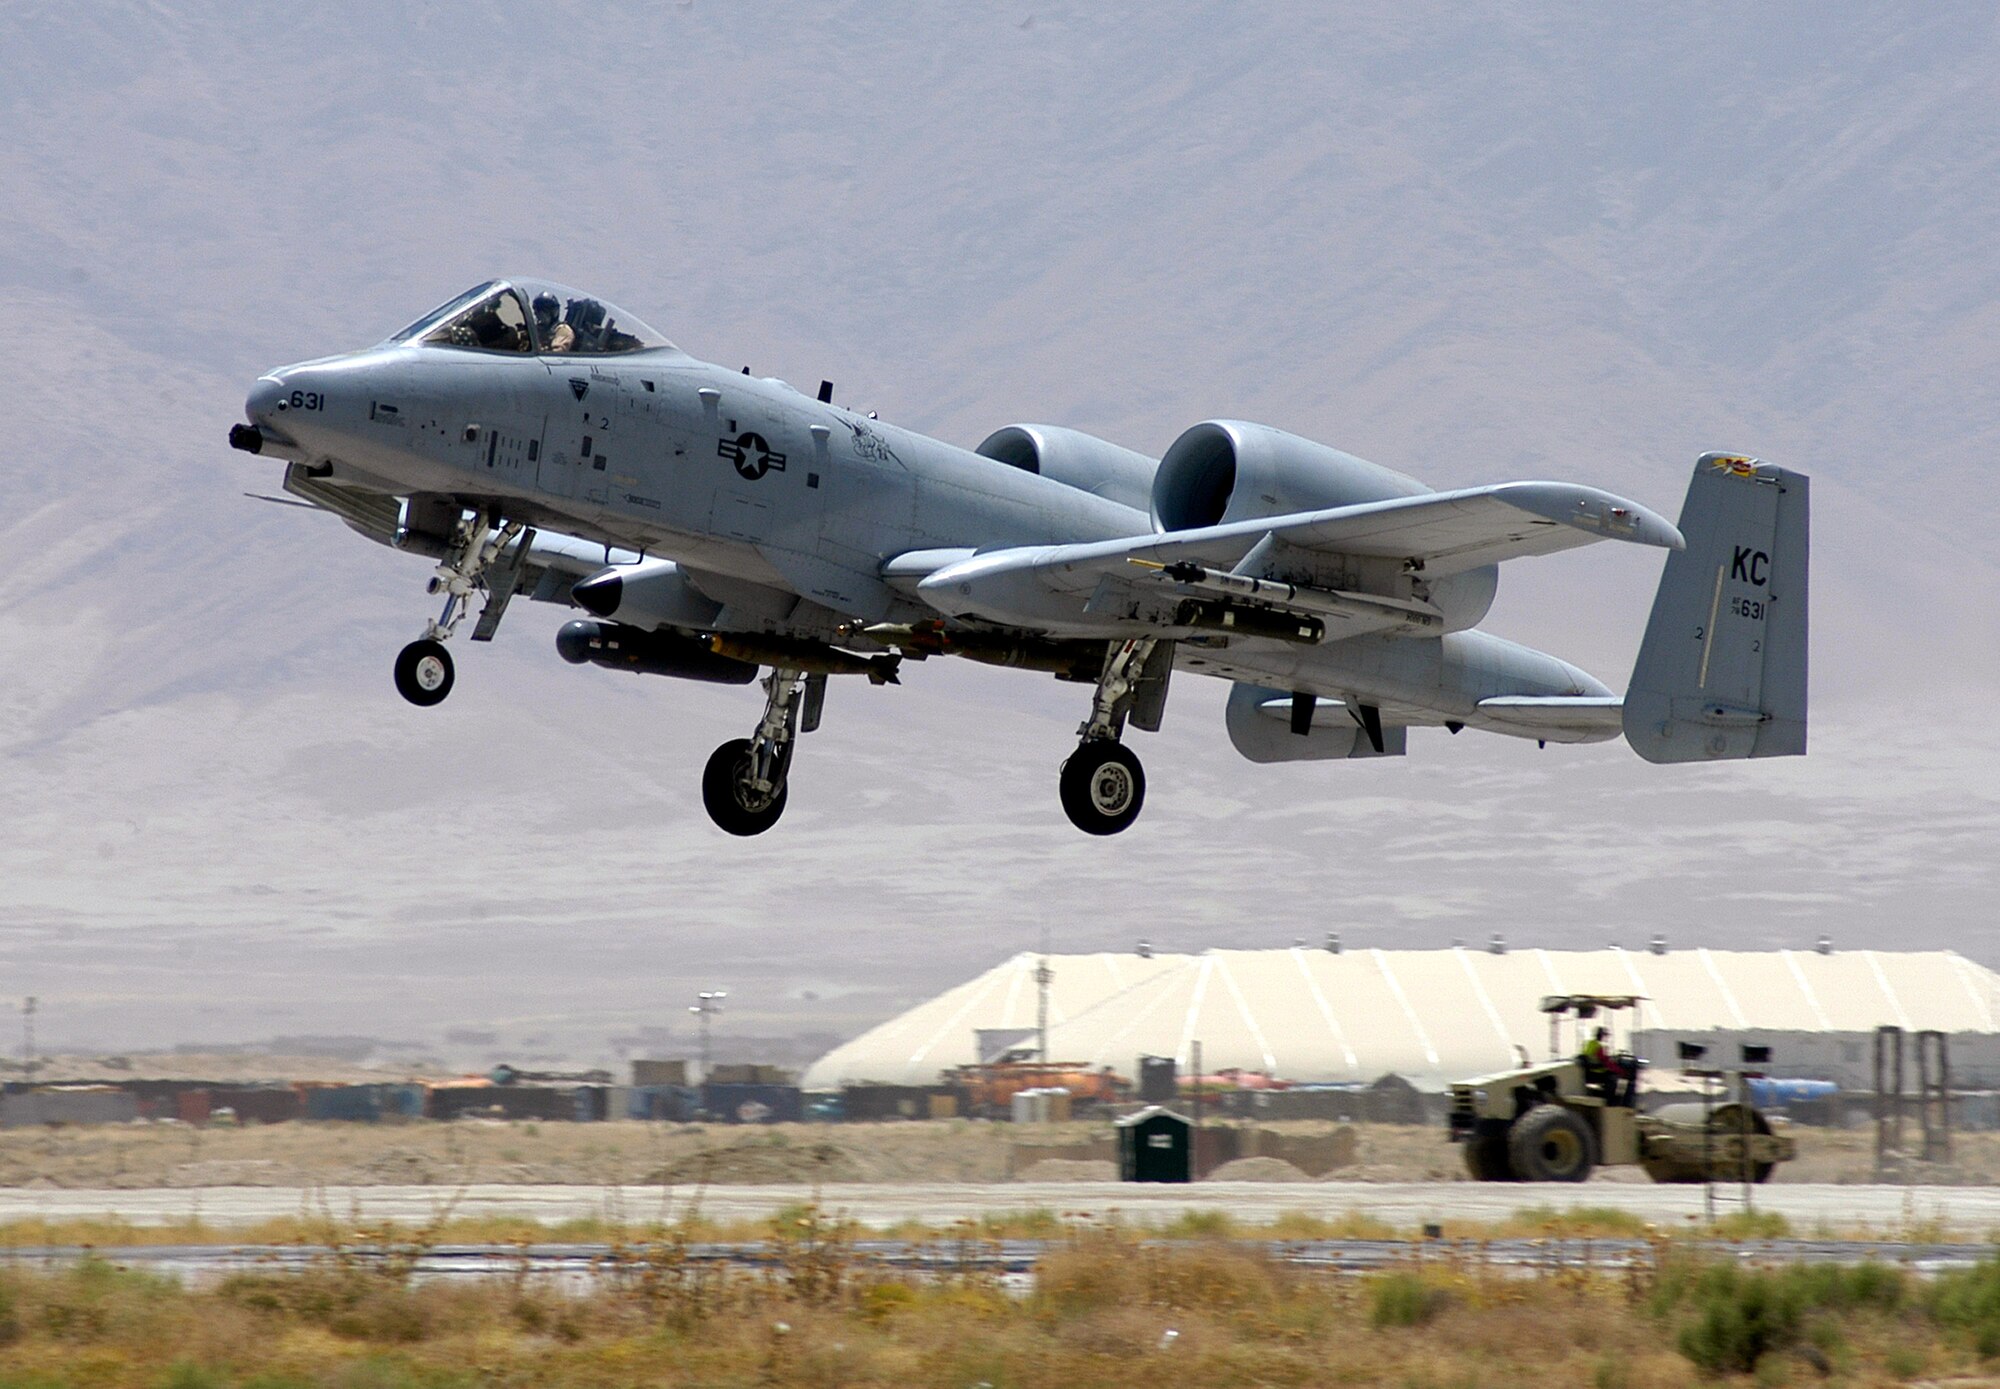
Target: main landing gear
{"type": "Point", "coordinates": [1103, 786]}
{"type": "Point", "coordinates": [743, 786]}
{"type": "Point", "coordinates": [424, 672]}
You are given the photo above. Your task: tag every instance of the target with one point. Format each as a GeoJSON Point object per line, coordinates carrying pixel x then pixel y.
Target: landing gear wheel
{"type": "Point", "coordinates": [1102, 786]}
{"type": "Point", "coordinates": [1551, 1144]}
{"type": "Point", "coordinates": [732, 802]}
{"type": "Point", "coordinates": [424, 673]}
{"type": "Point", "coordinates": [1486, 1159]}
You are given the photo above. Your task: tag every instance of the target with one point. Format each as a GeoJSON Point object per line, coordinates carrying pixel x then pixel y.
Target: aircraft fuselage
{"type": "Point", "coordinates": [748, 478]}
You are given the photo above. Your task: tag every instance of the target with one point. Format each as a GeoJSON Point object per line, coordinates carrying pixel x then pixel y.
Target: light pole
{"type": "Point", "coordinates": [709, 1004]}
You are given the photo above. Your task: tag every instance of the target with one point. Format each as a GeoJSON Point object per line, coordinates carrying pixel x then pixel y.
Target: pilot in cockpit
{"type": "Point", "coordinates": [556, 335]}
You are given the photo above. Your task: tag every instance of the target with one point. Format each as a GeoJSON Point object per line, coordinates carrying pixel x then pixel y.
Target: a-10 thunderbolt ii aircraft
{"type": "Point", "coordinates": [532, 439]}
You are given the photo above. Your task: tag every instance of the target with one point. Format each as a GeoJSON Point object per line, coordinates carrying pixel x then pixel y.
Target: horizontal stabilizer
{"type": "Point", "coordinates": [1722, 670]}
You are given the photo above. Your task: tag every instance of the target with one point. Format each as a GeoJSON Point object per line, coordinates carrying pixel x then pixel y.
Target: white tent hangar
{"type": "Point", "coordinates": [1434, 1016]}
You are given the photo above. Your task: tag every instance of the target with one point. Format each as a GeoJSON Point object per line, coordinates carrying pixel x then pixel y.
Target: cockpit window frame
{"type": "Point", "coordinates": [502, 314]}
{"type": "Point", "coordinates": [451, 307]}
{"type": "Point", "coordinates": [575, 324]}
{"type": "Point", "coordinates": [583, 325]}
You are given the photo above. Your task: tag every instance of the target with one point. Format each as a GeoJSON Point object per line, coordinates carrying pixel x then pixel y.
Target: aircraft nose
{"type": "Point", "coordinates": [263, 405]}
{"type": "Point", "coordinates": [266, 399]}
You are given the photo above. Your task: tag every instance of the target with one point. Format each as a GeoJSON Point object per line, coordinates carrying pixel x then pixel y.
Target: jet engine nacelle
{"type": "Point", "coordinates": [618, 647]}
{"type": "Point", "coordinates": [1230, 470]}
{"type": "Point", "coordinates": [1074, 459]}
{"type": "Point", "coordinates": [652, 593]}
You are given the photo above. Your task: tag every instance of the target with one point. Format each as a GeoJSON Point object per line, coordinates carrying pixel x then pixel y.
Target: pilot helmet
{"type": "Point", "coordinates": [547, 308]}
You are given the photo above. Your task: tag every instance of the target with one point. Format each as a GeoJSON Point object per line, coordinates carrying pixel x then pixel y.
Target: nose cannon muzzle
{"type": "Point", "coordinates": [247, 437]}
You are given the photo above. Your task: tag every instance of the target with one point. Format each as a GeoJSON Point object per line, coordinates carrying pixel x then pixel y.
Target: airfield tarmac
{"type": "Point", "coordinates": [1963, 1212]}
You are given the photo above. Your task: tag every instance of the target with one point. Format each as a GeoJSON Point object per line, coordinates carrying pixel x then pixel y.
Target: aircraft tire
{"type": "Point", "coordinates": [424, 673]}
{"type": "Point", "coordinates": [1103, 787]}
{"type": "Point", "coordinates": [728, 798]}
{"type": "Point", "coordinates": [1551, 1144]}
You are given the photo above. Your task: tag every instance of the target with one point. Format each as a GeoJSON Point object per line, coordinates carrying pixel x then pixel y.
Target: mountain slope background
{"type": "Point", "coordinates": [1469, 245]}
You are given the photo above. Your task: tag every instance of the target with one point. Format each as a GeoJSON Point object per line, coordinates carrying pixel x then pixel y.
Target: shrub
{"type": "Point", "coordinates": [1967, 1301]}
{"type": "Point", "coordinates": [185, 1374]}
{"type": "Point", "coordinates": [1752, 1225]}
{"type": "Point", "coordinates": [1090, 1275]}
{"type": "Point", "coordinates": [1739, 1319]}
{"type": "Point", "coordinates": [1742, 1315]}
{"type": "Point", "coordinates": [1405, 1299]}
{"type": "Point", "coordinates": [1200, 1224]}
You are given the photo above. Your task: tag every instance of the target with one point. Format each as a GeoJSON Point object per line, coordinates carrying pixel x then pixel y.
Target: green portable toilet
{"type": "Point", "coordinates": [1155, 1145]}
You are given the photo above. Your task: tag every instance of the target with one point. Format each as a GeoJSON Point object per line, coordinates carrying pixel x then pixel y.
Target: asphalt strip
{"type": "Point", "coordinates": [1887, 1211]}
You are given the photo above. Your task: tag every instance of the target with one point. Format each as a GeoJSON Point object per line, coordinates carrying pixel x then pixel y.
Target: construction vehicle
{"type": "Point", "coordinates": [1578, 1111]}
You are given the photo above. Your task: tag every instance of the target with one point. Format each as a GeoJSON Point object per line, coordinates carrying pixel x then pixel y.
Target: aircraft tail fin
{"type": "Point", "coordinates": [1722, 671]}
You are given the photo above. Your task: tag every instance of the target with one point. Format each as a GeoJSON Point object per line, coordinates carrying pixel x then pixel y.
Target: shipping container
{"type": "Point", "coordinates": [79, 1105]}
{"type": "Point", "coordinates": [402, 1100]}
{"type": "Point", "coordinates": [753, 1104]}
{"type": "Point", "coordinates": [651, 1073]}
{"type": "Point", "coordinates": [671, 1103]}
{"type": "Point", "coordinates": [862, 1103]}
{"type": "Point", "coordinates": [503, 1102]}
{"type": "Point", "coordinates": [257, 1104]}
{"type": "Point", "coordinates": [734, 1073]}
{"type": "Point", "coordinates": [349, 1103]}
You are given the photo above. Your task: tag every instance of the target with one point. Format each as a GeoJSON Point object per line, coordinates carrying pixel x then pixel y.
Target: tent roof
{"type": "Point", "coordinates": [1430, 1016]}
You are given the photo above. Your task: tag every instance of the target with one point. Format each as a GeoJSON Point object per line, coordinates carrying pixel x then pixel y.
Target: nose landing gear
{"type": "Point", "coordinates": [743, 785]}
{"type": "Point", "coordinates": [424, 671]}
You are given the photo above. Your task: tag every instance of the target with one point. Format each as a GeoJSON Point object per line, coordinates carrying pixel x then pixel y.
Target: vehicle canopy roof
{"type": "Point", "coordinates": [523, 317]}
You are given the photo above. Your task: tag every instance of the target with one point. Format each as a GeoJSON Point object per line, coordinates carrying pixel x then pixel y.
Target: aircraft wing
{"type": "Point", "coordinates": [1450, 532]}
{"type": "Point", "coordinates": [1439, 533]}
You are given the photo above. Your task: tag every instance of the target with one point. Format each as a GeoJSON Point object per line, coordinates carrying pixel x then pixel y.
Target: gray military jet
{"type": "Point", "coordinates": [532, 439]}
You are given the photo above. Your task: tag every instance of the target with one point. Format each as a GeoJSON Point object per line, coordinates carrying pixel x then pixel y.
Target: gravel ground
{"type": "Point", "coordinates": [138, 1156]}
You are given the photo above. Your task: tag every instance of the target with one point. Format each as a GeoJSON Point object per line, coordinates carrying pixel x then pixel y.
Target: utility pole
{"type": "Point", "coordinates": [709, 1004]}
{"type": "Point", "coordinates": [1044, 976]}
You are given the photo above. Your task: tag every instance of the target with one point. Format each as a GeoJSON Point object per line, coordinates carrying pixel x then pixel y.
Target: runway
{"type": "Point", "coordinates": [1887, 1211]}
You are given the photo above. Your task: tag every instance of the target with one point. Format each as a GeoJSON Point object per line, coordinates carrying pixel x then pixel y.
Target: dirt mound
{"type": "Point", "coordinates": [1258, 1169]}
{"type": "Point", "coordinates": [761, 1164]}
{"type": "Point", "coordinates": [1068, 1170]}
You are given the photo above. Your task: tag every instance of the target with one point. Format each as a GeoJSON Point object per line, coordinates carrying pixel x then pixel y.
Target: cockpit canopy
{"type": "Point", "coordinates": [525, 317]}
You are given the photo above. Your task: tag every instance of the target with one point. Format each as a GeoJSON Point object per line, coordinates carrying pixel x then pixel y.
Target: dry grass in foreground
{"type": "Point", "coordinates": [1104, 1309]}
{"type": "Point", "coordinates": [321, 1224]}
